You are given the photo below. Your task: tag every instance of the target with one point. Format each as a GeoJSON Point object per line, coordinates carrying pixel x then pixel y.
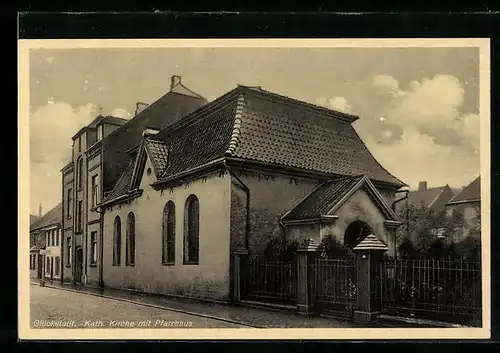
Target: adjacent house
{"type": "Point", "coordinates": [45, 245]}
{"type": "Point", "coordinates": [468, 202]}
{"type": "Point", "coordinates": [100, 155]}
{"type": "Point", "coordinates": [431, 199]}
{"type": "Point", "coordinates": [244, 168]}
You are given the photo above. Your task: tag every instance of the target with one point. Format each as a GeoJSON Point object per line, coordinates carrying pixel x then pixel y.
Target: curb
{"type": "Point", "coordinates": [206, 316]}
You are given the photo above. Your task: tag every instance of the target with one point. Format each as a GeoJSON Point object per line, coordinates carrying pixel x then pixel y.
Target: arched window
{"type": "Point", "coordinates": [191, 230]}
{"type": "Point", "coordinates": [168, 243]}
{"type": "Point", "coordinates": [130, 241]}
{"type": "Point", "coordinates": [117, 241]}
{"type": "Point", "coordinates": [80, 173]}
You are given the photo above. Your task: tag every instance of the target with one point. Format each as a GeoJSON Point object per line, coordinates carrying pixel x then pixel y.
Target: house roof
{"type": "Point", "coordinates": [122, 186]}
{"type": "Point", "coordinates": [426, 197]}
{"type": "Point", "coordinates": [33, 218]}
{"type": "Point", "coordinates": [52, 217]}
{"type": "Point", "coordinates": [471, 193]}
{"type": "Point", "coordinates": [251, 124]}
{"type": "Point", "coordinates": [181, 89]}
{"type": "Point", "coordinates": [331, 195]}
{"type": "Point", "coordinates": [321, 199]}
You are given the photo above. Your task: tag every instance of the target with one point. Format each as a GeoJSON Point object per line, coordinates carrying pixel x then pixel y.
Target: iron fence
{"type": "Point", "coordinates": [272, 281]}
{"type": "Point", "coordinates": [335, 284]}
{"type": "Point", "coordinates": [445, 290]}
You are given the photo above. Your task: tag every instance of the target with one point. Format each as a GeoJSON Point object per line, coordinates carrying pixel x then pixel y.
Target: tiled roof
{"type": "Point", "coordinates": [255, 125]}
{"type": "Point", "coordinates": [54, 216]}
{"type": "Point", "coordinates": [321, 200]}
{"type": "Point", "coordinates": [123, 183]}
{"type": "Point", "coordinates": [371, 242]}
{"type": "Point", "coordinates": [281, 134]}
{"type": "Point", "coordinates": [471, 192]}
{"type": "Point", "coordinates": [158, 152]}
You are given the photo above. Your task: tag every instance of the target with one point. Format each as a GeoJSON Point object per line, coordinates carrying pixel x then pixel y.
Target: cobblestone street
{"type": "Point", "coordinates": [64, 309]}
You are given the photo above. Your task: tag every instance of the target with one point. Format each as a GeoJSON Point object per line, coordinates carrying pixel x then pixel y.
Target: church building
{"type": "Point", "coordinates": [232, 174]}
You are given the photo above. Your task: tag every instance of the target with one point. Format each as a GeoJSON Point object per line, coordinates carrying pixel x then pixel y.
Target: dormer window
{"type": "Point", "coordinates": [100, 132]}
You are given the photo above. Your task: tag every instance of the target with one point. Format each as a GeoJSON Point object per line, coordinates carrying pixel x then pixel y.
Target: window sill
{"type": "Point", "coordinates": [168, 263]}
{"type": "Point", "coordinates": [191, 263]}
{"type": "Point", "coordinates": [130, 265]}
{"type": "Point", "coordinates": [93, 265]}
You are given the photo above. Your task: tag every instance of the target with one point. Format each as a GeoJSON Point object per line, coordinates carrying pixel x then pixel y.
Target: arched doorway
{"type": "Point", "coordinates": [355, 233]}
{"type": "Point", "coordinates": [78, 264]}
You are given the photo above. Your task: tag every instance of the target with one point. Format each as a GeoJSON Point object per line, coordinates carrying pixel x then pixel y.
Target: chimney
{"type": "Point", "coordinates": [140, 106]}
{"type": "Point", "coordinates": [40, 210]}
{"type": "Point", "coordinates": [422, 186]}
{"type": "Point", "coordinates": [174, 81]}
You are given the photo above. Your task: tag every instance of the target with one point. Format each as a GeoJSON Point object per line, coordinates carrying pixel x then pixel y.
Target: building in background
{"type": "Point", "coordinates": [100, 154]}
{"type": "Point", "coordinates": [431, 199]}
{"type": "Point", "coordinates": [45, 246]}
{"type": "Point", "coordinates": [468, 203]}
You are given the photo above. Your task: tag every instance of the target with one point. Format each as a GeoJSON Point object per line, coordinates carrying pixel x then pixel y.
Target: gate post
{"type": "Point", "coordinates": [369, 254]}
{"type": "Point", "coordinates": [306, 253]}
{"type": "Point", "coordinates": [239, 256]}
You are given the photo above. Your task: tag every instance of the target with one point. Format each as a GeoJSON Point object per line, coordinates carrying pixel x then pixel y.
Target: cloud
{"type": "Point", "coordinates": [51, 128]}
{"type": "Point", "coordinates": [120, 113]}
{"type": "Point", "coordinates": [335, 103]}
{"type": "Point", "coordinates": [385, 84]}
{"type": "Point", "coordinates": [423, 135]}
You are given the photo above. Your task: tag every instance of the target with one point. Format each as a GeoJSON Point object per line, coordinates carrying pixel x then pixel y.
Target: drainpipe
{"type": "Point", "coordinates": [247, 191]}
{"type": "Point", "coordinates": [405, 197]}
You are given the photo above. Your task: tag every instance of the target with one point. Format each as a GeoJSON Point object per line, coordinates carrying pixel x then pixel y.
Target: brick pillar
{"type": "Point", "coordinates": [369, 254]}
{"type": "Point", "coordinates": [239, 257]}
{"type": "Point", "coordinates": [306, 253]}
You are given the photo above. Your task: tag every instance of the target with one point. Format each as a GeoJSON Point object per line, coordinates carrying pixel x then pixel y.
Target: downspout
{"type": "Point", "coordinates": [247, 192]}
{"type": "Point", "coordinates": [407, 215]}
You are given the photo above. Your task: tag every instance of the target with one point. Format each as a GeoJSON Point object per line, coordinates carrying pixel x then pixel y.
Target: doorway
{"type": "Point", "coordinates": [78, 264]}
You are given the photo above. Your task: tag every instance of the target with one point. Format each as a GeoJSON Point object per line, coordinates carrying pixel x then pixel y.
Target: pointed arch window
{"type": "Point", "coordinates": [168, 243]}
{"type": "Point", "coordinates": [117, 241]}
{"type": "Point", "coordinates": [191, 230]}
{"type": "Point", "coordinates": [130, 241]}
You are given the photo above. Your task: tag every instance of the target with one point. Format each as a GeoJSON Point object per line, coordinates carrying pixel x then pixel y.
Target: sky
{"type": "Point", "coordinates": [417, 107]}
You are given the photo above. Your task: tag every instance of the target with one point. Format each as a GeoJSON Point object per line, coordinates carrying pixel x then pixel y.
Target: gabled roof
{"type": "Point", "coordinates": [426, 197]}
{"type": "Point", "coordinates": [331, 195]}
{"type": "Point", "coordinates": [122, 186]}
{"type": "Point", "coordinates": [101, 118]}
{"type": "Point", "coordinates": [181, 89]}
{"type": "Point", "coordinates": [471, 193]}
{"type": "Point", "coordinates": [52, 217]}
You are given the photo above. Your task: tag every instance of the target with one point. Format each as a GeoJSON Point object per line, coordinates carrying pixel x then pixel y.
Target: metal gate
{"type": "Point", "coordinates": [335, 285]}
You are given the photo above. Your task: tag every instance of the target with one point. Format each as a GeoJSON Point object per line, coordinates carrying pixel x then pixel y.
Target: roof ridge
{"type": "Point", "coordinates": [233, 142]}
{"type": "Point", "coordinates": [306, 105]}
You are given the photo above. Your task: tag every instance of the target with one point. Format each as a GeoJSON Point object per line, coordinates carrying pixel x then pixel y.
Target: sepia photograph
{"type": "Point", "coordinates": [258, 189]}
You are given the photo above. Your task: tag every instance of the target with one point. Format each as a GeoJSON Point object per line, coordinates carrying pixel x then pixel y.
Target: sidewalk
{"type": "Point", "coordinates": [253, 317]}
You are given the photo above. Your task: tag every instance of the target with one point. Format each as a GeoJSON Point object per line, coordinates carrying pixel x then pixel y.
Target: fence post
{"type": "Point", "coordinates": [306, 253]}
{"type": "Point", "coordinates": [369, 254]}
{"type": "Point", "coordinates": [239, 256]}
